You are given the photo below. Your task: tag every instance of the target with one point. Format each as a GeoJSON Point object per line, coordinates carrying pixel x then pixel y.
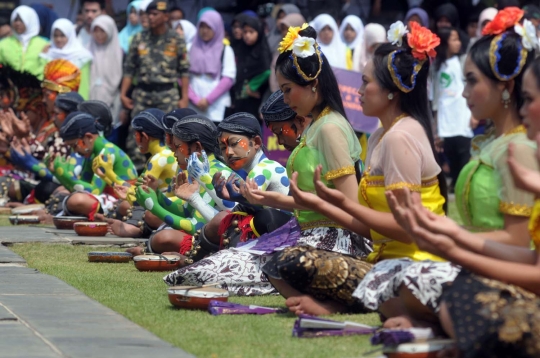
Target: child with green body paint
{"type": "Point", "coordinates": [80, 131]}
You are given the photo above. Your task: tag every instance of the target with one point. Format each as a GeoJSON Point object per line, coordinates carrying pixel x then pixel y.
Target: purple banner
{"type": "Point", "coordinates": [274, 150]}
{"type": "Point", "coordinates": [349, 82]}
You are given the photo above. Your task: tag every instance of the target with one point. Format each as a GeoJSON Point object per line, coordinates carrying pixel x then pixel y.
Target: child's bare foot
{"type": "Point", "coordinates": [120, 228]}
{"type": "Point", "coordinates": [399, 322]}
{"type": "Point", "coordinates": [308, 305]}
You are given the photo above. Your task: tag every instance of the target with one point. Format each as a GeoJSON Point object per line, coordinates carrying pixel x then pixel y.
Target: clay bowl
{"type": "Point", "coordinates": [108, 256]}
{"type": "Point", "coordinates": [90, 229]}
{"type": "Point", "coordinates": [156, 262]}
{"type": "Point", "coordinates": [427, 349]}
{"type": "Point", "coordinates": [195, 298]}
{"type": "Point", "coordinates": [27, 209]}
{"type": "Point", "coordinates": [66, 222]}
{"type": "Point", "coordinates": [24, 220]}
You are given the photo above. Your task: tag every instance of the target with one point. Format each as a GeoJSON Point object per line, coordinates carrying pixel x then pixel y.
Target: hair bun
{"type": "Point", "coordinates": [309, 32]}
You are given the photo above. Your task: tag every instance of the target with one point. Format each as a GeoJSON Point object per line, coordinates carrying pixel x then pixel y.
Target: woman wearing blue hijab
{"type": "Point", "coordinates": [46, 19]}
{"type": "Point", "coordinates": [133, 25]}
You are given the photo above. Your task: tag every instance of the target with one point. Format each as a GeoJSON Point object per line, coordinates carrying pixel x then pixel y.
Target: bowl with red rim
{"type": "Point", "coordinates": [195, 298]}
{"type": "Point", "coordinates": [109, 256]}
{"type": "Point", "coordinates": [66, 222]}
{"type": "Point", "coordinates": [90, 228]}
{"type": "Point", "coordinates": [24, 219]}
{"type": "Point", "coordinates": [157, 262]}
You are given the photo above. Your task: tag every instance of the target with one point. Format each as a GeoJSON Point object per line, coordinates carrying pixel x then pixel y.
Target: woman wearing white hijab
{"type": "Point", "coordinates": [22, 49]}
{"type": "Point", "coordinates": [374, 34]}
{"type": "Point", "coordinates": [65, 45]}
{"type": "Point", "coordinates": [329, 40]}
{"type": "Point", "coordinates": [143, 17]}
{"type": "Point", "coordinates": [106, 70]}
{"type": "Point", "coordinates": [352, 35]}
{"type": "Point", "coordinates": [187, 30]}
{"type": "Point", "coordinates": [486, 16]}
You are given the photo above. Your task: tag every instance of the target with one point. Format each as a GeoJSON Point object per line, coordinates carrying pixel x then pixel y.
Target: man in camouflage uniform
{"type": "Point", "coordinates": [157, 58]}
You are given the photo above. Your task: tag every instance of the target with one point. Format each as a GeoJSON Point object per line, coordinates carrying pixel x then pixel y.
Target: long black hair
{"type": "Point", "coordinates": [509, 53]}
{"type": "Point", "coordinates": [416, 102]}
{"type": "Point", "coordinates": [328, 86]}
{"type": "Point", "coordinates": [444, 34]}
{"type": "Point", "coordinates": [535, 69]}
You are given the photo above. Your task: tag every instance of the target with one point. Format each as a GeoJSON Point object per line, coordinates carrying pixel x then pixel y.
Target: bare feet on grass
{"type": "Point", "coordinates": [308, 305]}
{"type": "Point", "coordinates": [120, 228]}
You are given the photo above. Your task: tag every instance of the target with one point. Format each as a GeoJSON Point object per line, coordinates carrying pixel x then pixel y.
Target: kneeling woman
{"type": "Point", "coordinates": [80, 131]}
{"type": "Point", "coordinates": [310, 87]}
{"type": "Point", "coordinates": [401, 154]}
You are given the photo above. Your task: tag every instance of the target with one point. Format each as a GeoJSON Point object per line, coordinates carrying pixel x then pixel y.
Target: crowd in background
{"type": "Point", "coordinates": [330, 231]}
{"type": "Point", "coordinates": [232, 50]}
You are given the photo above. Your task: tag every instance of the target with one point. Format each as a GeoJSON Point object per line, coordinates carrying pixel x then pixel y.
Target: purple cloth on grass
{"type": "Point", "coordinates": [286, 235]}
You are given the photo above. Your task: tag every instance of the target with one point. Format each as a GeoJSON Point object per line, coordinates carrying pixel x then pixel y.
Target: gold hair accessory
{"type": "Point", "coordinates": [495, 57]}
{"type": "Point", "coordinates": [50, 85]}
{"type": "Point", "coordinates": [396, 78]}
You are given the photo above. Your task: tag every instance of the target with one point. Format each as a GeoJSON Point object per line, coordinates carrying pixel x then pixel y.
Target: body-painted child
{"type": "Point", "coordinates": [191, 134]}
{"type": "Point", "coordinates": [81, 132]}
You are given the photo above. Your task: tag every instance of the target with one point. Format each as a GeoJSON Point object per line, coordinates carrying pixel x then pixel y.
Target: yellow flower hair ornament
{"type": "Point", "coordinates": [303, 47]}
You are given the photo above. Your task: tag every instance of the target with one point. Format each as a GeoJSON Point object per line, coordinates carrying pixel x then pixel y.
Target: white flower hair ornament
{"type": "Point", "coordinates": [303, 46]}
{"type": "Point", "coordinates": [527, 31]}
{"type": "Point", "coordinates": [396, 32]}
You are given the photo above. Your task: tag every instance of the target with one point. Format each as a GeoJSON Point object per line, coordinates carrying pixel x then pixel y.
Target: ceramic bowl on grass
{"type": "Point", "coordinates": [23, 219]}
{"type": "Point", "coordinates": [90, 228]}
{"type": "Point", "coordinates": [108, 256]}
{"type": "Point", "coordinates": [195, 298]}
{"type": "Point", "coordinates": [66, 222]}
{"type": "Point", "coordinates": [27, 209]}
{"type": "Point", "coordinates": [156, 262]}
{"type": "Point", "coordinates": [427, 349]}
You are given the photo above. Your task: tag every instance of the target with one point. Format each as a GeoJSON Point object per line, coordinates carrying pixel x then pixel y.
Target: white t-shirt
{"type": "Point", "coordinates": [84, 37]}
{"type": "Point", "coordinates": [453, 115]}
{"type": "Point", "coordinates": [203, 85]}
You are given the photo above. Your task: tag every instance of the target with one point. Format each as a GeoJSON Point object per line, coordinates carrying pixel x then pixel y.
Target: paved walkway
{"type": "Point", "coordinates": [49, 234]}
{"type": "Point", "coordinates": [42, 316]}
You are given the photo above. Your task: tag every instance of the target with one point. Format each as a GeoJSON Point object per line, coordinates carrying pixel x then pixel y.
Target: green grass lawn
{"type": "Point", "coordinates": [142, 298]}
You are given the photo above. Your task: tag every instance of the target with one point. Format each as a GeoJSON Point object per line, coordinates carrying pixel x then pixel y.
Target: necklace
{"type": "Point", "coordinates": [398, 118]}
{"type": "Point", "coordinates": [519, 129]}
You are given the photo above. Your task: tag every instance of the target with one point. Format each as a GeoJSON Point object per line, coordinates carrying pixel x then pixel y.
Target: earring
{"type": "Point", "coordinates": [390, 96]}
{"type": "Point", "coordinates": [86, 150]}
{"type": "Point", "coordinates": [506, 98]}
{"type": "Point", "coordinates": [313, 89]}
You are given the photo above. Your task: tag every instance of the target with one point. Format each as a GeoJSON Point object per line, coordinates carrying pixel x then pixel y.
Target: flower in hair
{"type": "Point", "coordinates": [303, 46]}
{"type": "Point", "coordinates": [287, 43]}
{"type": "Point", "coordinates": [422, 41]}
{"type": "Point", "coordinates": [504, 20]}
{"type": "Point", "coordinates": [396, 32]}
{"type": "Point", "coordinates": [527, 31]}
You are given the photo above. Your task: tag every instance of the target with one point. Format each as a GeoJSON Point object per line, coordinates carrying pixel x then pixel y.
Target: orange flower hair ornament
{"type": "Point", "coordinates": [422, 43]}
{"type": "Point", "coordinates": [507, 19]}
{"type": "Point", "coordinates": [504, 20]}
{"type": "Point", "coordinates": [300, 46]}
